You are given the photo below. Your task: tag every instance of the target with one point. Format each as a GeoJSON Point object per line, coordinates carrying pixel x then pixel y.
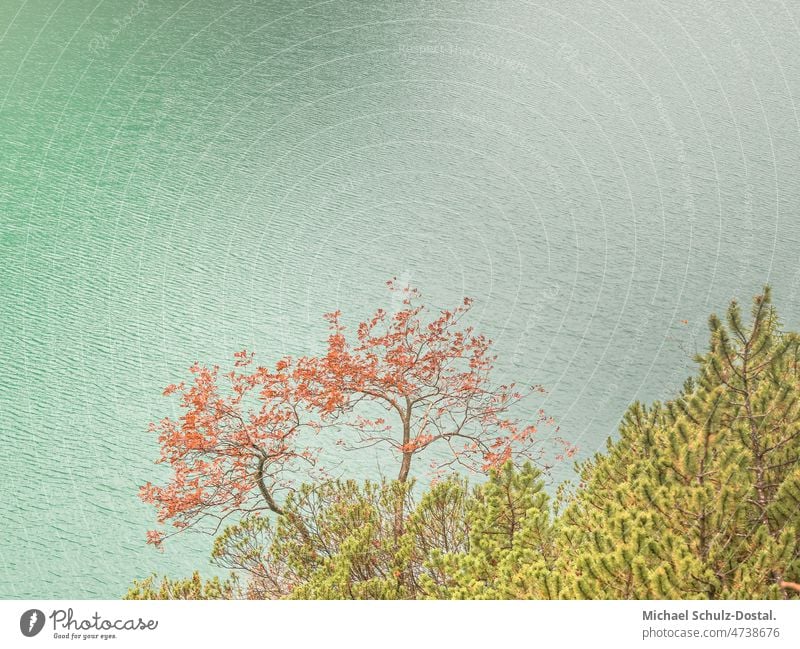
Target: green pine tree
{"type": "Point", "coordinates": [192, 588]}
{"type": "Point", "coordinates": [511, 551]}
{"type": "Point", "coordinates": [344, 540]}
{"type": "Point", "coordinates": [699, 497]}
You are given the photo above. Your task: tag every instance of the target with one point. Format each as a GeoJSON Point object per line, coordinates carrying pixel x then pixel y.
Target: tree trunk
{"type": "Point", "coordinates": [264, 491]}
{"type": "Point", "coordinates": [405, 467]}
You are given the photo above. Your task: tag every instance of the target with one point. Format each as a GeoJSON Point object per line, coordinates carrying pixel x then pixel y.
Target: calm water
{"type": "Point", "coordinates": [183, 179]}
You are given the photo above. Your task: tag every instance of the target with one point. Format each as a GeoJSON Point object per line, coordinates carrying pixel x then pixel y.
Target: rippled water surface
{"type": "Point", "coordinates": [179, 180]}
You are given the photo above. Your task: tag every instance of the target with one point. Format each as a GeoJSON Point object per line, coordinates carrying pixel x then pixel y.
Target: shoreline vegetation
{"type": "Point", "coordinates": [697, 497]}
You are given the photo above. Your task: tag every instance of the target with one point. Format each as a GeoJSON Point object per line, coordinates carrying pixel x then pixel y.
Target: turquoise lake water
{"type": "Point", "coordinates": [179, 180]}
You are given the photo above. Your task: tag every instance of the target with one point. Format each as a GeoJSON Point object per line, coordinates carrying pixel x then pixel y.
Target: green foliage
{"type": "Point", "coordinates": [698, 498]}
{"type": "Point", "coordinates": [342, 540]}
{"type": "Point", "coordinates": [511, 547]}
{"type": "Point", "coordinates": [192, 588]}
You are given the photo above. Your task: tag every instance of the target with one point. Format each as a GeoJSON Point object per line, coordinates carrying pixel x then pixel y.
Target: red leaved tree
{"type": "Point", "coordinates": [432, 381]}
{"type": "Point", "coordinates": [240, 440]}
{"type": "Point", "coordinates": [405, 383]}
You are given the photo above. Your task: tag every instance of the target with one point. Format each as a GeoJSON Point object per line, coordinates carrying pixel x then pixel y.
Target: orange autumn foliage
{"type": "Point", "coordinates": [403, 382]}
{"type": "Point", "coordinates": [239, 438]}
